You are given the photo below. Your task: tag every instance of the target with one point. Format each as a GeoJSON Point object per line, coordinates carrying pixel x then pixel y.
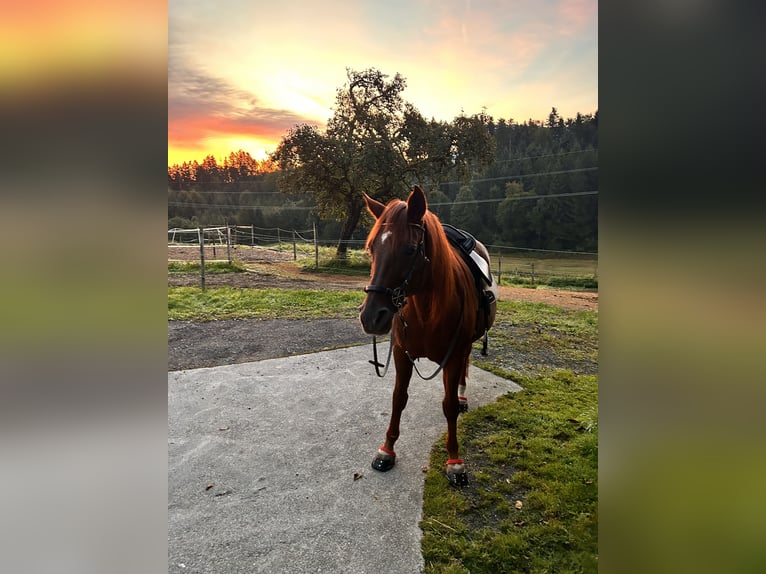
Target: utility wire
{"type": "Point", "coordinates": [547, 155]}
{"type": "Point", "coordinates": [466, 202]}
{"type": "Point", "coordinates": [522, 175]}
{"type": "Point", "coordinates": [517, 198]}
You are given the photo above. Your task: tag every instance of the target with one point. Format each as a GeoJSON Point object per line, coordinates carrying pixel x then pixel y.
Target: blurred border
{"type": "Point", "coordinates": [83, 415]}
{"type": "Point", "coordinates": [83, 305]}
{"type": "Point", "coordinates": [681, 285]}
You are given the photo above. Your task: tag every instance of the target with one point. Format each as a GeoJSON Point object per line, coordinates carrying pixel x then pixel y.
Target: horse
{"type": "Point", "coordinates": [424, 293]}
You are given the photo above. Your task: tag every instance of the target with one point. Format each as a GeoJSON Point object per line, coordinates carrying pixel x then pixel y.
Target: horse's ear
{"type": "Point", "coordinates": [416, 205]}
{"type": "Point", "coordinates": [374, 206]}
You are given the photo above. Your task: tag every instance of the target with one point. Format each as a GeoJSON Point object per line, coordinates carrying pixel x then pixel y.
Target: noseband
{"type": "Point", "coordinates": [399, 294]}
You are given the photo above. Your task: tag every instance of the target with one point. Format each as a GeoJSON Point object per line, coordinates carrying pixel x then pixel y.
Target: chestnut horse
{"type": "Point", "coordinates": [423, 292]}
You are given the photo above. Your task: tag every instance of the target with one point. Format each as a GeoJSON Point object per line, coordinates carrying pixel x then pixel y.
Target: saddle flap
{"type": "Point", "coordinates": [482, 266]}
{"type": "Point", "coordinates": [466, 244]}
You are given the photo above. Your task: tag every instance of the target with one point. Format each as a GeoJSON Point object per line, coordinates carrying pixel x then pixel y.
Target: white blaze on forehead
{"type": "Point", "coordinates": [385, 236]}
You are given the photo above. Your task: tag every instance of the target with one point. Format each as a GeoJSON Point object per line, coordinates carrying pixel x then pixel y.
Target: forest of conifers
{"type": "Point", "coordinates": [540, 192]}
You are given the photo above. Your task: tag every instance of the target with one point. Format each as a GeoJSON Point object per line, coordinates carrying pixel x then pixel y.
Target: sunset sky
{"type": "Point", "coordinates": [242, 73]}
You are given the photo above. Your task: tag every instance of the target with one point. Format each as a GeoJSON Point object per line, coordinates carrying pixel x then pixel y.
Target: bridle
{"type": "Point", "coordinates": [399, 294]}
{"type": "Point", "coordinates": [399, 299]}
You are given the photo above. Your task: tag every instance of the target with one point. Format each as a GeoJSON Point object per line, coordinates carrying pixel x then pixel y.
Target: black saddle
{"type": "Point", "coordinates": [466, 246]}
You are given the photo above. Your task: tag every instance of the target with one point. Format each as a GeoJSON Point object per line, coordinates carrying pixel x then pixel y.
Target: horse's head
{"type": "Point", "coordinates": [397, 246]}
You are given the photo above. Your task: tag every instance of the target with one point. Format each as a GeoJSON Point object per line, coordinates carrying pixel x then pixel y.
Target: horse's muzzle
{"type": "Point", "coordinates": [376, 318]}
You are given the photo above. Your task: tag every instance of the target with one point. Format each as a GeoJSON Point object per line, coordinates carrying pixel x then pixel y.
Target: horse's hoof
{"type": "Point", "coordinates": [458, 479]}
{"type": "Point", "coordinates": [462, 405]}
{"type": "Point", "coordinates": [383, 464]}
{"type": "Point", "coordinates": [456, 474]}
{"type": "Point", "coordinates": [384, 459]}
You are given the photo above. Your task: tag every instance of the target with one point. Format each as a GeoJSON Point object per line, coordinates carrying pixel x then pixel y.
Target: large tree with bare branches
{"type": "Point", "coordinates": [377, 143]}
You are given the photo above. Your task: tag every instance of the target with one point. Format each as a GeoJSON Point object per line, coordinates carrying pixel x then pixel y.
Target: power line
{"type": "Point", "coordinates": [543, 250]}
{"type": "Point", "coordinates": [523, 175]}
{"type": "Point", "coordinates": [546, 155]}
{"type": "Point", "coordinates": [435, 204]}
{"type": "Point", "coordinates": [228, 205]}
{"type": "Point", "coordinates": [205, 192]}
{"type": "Point", "coordinates": [518, 198]}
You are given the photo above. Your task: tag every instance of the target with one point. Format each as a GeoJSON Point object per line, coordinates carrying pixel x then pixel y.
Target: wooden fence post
{"type": "Point", "coordinates": [295, 252]}
{"type": "Point", "coordinates": [499, 267]}
{"type": "Point", "coordinates": [316, 248]}
{"type": "Point", "coordinates": [533, 274]}
{"type": "Point", "coordinates": [228, 243]}
{"type": "Point", "coordinates": [252, 235]}
{"type": "Point", "coordinates": [201, 233]}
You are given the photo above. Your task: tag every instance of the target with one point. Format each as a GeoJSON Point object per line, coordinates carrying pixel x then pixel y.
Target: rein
{"type": "Point", "coordinates": [377, 364]}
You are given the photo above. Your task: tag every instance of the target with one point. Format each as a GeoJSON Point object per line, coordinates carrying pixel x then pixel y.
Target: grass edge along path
{"type": "Point", "coordinates": [532, 505]}
{"type": "Point", "coordinates": [193, 304]}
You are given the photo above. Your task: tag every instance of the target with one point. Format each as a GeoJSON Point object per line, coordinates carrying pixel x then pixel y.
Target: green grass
{"type": "Point", "coordinates": [539, 448]}
{"type": "Point", "coordinates": [191, 303]}
{"type": "Point", "coordinates": [574, 282]}
{"type": "Point", "coordinates": [531, 338]}
{"type": "Point", "coordinates": [212, 267]}
{"type": "Point", "coordinates": [560, 272]}
{"type": "Point", "coordinates": [352, 265]}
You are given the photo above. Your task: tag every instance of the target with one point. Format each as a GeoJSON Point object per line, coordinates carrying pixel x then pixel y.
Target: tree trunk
{"type": "Point", "coordinates": [354, 210]}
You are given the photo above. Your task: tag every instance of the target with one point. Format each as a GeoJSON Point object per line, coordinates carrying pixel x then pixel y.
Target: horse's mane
{"type": "Point", "coordinates": [444, 267]}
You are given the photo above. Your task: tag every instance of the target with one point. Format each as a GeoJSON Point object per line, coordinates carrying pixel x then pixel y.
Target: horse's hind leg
{"type": "Point", "coordinates": [385, 458]}
{"type": "Point", "coordinates": [462, 399]}
{"type": "Point", "coordinates": [454, 377]}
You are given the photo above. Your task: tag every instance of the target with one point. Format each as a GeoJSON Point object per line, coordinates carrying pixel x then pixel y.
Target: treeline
{"type": "Point", "coordinates": [241, 191]}
{"type": "Point", "coordinates": [540, 192]}
{"type": "Point", "coordinates": [518, 199]}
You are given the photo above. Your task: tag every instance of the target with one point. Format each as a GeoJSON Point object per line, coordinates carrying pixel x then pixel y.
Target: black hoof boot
{"type": "Point", "coordinates": [383, 464]}
{"type": "Point", "coordinates": [456, 473]}
{"type": "Point", "coordinates": [458, 479]}
{"type": "Point", "coordinates": [384, 459]}
{"type": "Point", "coordinates": [462, 405]}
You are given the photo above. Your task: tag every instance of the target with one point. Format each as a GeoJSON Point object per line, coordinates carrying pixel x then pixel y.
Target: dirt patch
{"type": "Point", "coordinates": [194, 344]}
{"type": "Point", "coordinates": [271, 268]}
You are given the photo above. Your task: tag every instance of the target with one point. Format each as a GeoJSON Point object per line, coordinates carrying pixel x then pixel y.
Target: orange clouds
{"type": "Point", "coordinates": [254, 77]}
{"type": "Point", "coordinates": [195, 137]}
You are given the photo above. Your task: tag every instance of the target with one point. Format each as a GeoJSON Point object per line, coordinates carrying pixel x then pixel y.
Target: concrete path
{"type": "Point", "coordinates": [262, 460]}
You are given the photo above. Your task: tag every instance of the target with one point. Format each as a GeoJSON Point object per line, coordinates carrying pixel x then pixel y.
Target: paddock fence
{"type": "Point", "coordinates": [249, 243]}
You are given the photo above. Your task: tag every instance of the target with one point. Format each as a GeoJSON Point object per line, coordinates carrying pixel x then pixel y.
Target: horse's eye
{"type": "Point", "coordinates": [409, 251]}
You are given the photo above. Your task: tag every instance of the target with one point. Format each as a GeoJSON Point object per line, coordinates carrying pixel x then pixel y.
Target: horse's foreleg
{"type": "Point", "coordinates": [453, 379]}
{"type": "Point", "coordinates": [385, 458]}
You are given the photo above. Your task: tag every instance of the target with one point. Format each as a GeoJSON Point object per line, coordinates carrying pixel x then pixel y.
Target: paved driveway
{"type": "Point", "coordinates": [262, 460]}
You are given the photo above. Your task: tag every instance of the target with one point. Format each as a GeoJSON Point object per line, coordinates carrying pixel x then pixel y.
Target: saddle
{"type": "Point", "coordinates": [466, 244]}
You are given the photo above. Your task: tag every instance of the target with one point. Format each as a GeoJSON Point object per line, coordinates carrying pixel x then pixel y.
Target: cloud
{"type": "Point", "coordinates": [201, 106]}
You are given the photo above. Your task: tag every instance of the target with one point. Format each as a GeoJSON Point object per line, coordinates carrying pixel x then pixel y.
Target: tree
{"type": "Point", "coordinates": [378, 144]}
{"type": "Point", "coordinates": [465, 211]}
{"type": "Point", "coordinates": [513, 219]}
